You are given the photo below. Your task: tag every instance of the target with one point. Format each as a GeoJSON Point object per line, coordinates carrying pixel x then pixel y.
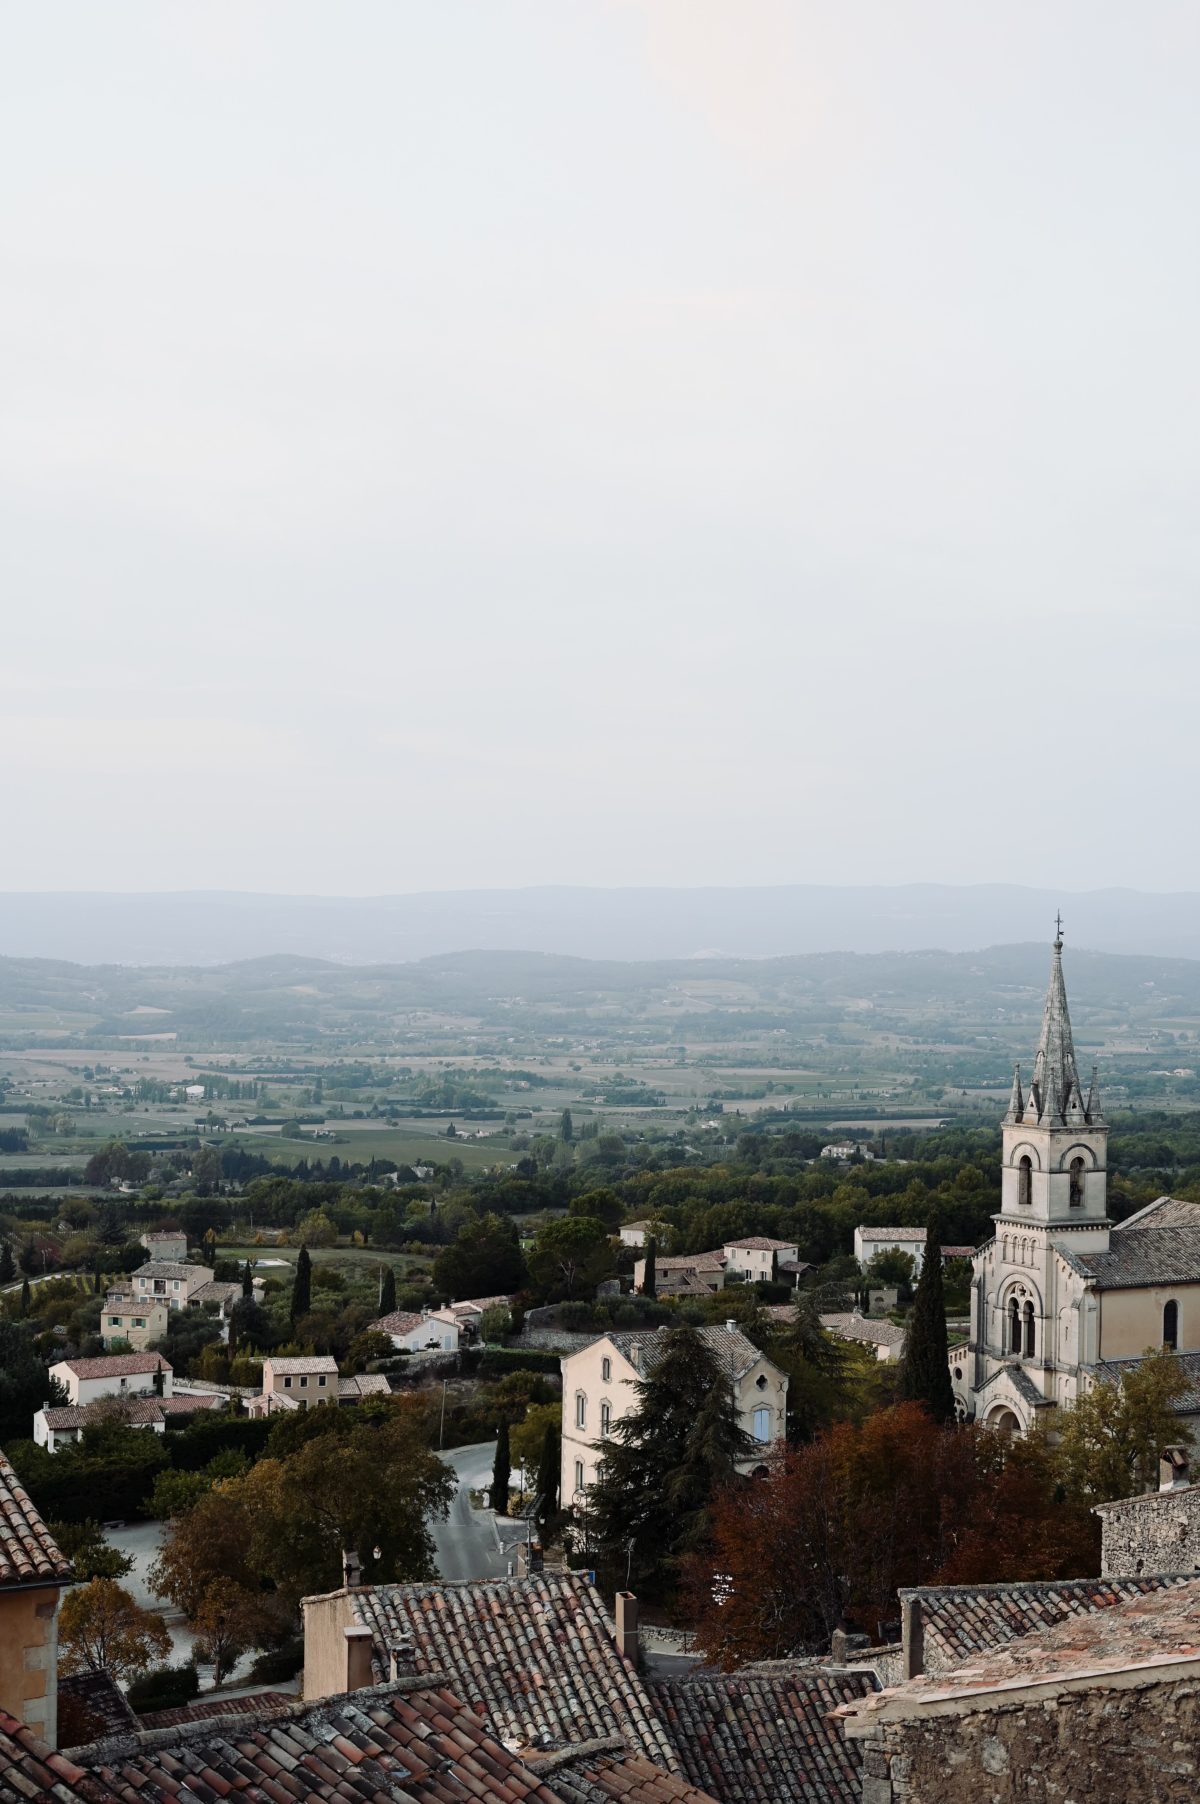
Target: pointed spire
{"type": "Point", "coordinates": [1094, 1111]}
{"type": "Point", "coordinates": [1016, 1102]}
{"type": "Point", "coordinates": [1055, 1073]}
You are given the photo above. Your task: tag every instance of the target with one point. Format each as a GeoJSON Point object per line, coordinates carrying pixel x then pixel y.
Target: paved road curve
{"type": "Point", "coordinates": [466, 1541]}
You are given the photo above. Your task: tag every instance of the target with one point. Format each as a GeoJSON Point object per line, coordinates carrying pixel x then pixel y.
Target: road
{"type": "Point", "coordinates": [466, 1541]}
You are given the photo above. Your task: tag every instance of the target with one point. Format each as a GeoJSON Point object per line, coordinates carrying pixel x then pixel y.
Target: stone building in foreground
{"type": "Point", "coordinates": [1062, 1298]}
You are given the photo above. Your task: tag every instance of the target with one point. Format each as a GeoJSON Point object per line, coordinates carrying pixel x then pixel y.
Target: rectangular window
{"type": "Point", "coordinates": [762, 1424]}
{"type": "Point", "coordinates": [605, 1419]}
{"type": "Point", "coordinates": [287, 1381]}
{"type": "Point", "coordinates": [114, 1321]}
{"type": "Point", "coordinates": [579, 1475]}
{"type": "Point", "coordinates": [139, 1321]}
{"type": "Point", "coordinates": [321, 1380]}
{"type": "Point", "coordinates": [303, 1383]}
{"type": "Point", "coordinates": [580, 1410]}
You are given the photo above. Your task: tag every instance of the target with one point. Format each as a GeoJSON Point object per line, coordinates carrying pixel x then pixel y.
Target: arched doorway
{"type": "Point", "coordinates": [1004, 1421]}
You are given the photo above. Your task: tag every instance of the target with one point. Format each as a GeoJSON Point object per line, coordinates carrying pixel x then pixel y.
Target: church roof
{"type": "Point", "coordinates": [1143, 1256]}
{"type": "Point", "coordinates": [1111, 1371]}
{"type": "Point", "coordinates": [1055, 1097]}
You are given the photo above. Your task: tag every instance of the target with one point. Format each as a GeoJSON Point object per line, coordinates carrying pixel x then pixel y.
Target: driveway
{"type": "Point", "coordinates": [466, 1541]}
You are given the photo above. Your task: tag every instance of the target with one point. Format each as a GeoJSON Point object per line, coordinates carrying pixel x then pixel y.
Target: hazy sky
{"type": "Point", "coordinates": [453, 444]}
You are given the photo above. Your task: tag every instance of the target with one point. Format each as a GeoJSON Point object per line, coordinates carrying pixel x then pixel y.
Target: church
{"type": "Point", "coordinates": [1061, 1298]}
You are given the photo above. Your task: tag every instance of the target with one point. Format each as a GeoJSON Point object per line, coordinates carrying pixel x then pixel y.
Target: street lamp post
{"type": "Point", "coordinates": [579, 1503]}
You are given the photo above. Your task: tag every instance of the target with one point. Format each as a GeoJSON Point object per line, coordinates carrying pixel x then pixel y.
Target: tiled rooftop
{"type": "Point", "coordinates": [117, 1365]}
{"type": "Point", "coordinates": [29, 1770]}
{"type": "Point", "coordinates": [759, 1243]}
{"type": "Point", "coordinates": [1154, 1628]}
{"type": "Point", "coordinates": [470, 1304]}
{"type": "Point", "coordinates": [400, 1321]}
{"type": "Point", "coordinates": [959, 1621]}
{"type": "Point", "coordinates": [258, 1704]}
{"type": "Point", "coordinates": [734, 1353]}
{"type": "Point", "coordinates": [28, 1551]}
{"type": "Point", "coordinates": [139, 1411]}
{"type": "Point", "coordinates": [366, 1384]}
{"type": "Point", "coordinates": [692, 1262]}
{"type": "Point", "coordinates": [536, 1654]}
{"type": "Point", "coordinates": [169, 1268]}
{"type": "Point", "coordinates": [1144, 1255]}
{"type": "Point", "coordinates": [601, 1773]}
{"type": "Point", "coordinates": [302, 1365]}
{"type": "Point", "coordinates": [765, 1738]}
{"type": "Point", "coordinates": [91, 1704]}
{"type": "Point", "coordinates": [890, 1234]}
{"type": "Point", "coordinates": [862, 1328]}
{"type": "Point", "coordinates": [1111, 1371]}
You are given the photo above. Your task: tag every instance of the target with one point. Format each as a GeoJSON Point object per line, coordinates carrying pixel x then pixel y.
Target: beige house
{"type": "Point", "coordinates": [114, 1375]}
{"type": "Point", "coordinates": [756, 1258]}
{"type": "Point", "coordinates": [165, 1243]}
{"type": "Point", "coordinates": [33, 1571]}
{"type": "Point", "coordinates": [56, 1426]}
{"type": "Point", "coordinates": [296, 1383]}
{"type": "Point", "coordinates": [165, 1281]}
{"type": "Point", "coordinates": [676, 1272]}
{"type": "Point", "coordinates": [884, 1339]}
{"type": "Point", "coordinates": [1061, 1298]}
{"type": "Point", "coordinates": [598, 1391]}
{"type": "Point", "coordinates": [127, 1320]}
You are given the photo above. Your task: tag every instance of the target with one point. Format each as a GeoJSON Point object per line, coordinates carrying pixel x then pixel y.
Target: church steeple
{"type": "Point", "coordinates": [1056, 1094]}
{"type": "Point", "coordinates": [1054, 1137]}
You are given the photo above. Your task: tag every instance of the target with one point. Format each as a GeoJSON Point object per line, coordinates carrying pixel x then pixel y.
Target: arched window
{"type": "Point", "coordinates": [580, 1410]}
{"type": "Point", "coordinates": [1025, 1181]}
{"type": "Point", "coordinates": [606, 1370]}
{"type": "Point", "coordinates": [579, 1475]}
{"type": "Point", "coordinates": [605, 1419]}
{"type": "Point", "coordinates": [1171, 1325]}
{"type": "Point", "coordinates": [1014, 1326]}
{"type": "Point", "coordinates": [1029, 1330]}
{"type": "Point", "coordinates": [1077, 1170]}
{"type": "Point", "coordinates": [762, 1424]}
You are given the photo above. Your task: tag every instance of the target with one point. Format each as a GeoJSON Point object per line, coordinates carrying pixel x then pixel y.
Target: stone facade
{"type": "Point", "coordinates": [1156, 1533]}
{"type": "Point", "coordinates": [1108, 1745]}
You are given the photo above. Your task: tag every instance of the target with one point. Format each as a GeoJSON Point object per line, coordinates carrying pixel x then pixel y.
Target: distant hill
{"type": "Point", "coordinates": [200, 927]}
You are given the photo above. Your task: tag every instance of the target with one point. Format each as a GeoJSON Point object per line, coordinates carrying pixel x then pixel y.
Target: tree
{"type": "Point", "coordinates": [227, 1622]}
{"type": "Point", "coordinates": [570, 1257]}
{"type": "Point", "coordinates": [8, 1267]}
{"type": "Point", "coordinates": [301, 1286]}
{"type": "Point", "coordinates": [387, 1290]}
{"type": "Point", "coordinates": [925, 1367]}
{"type": "Point", "coordinates": [650, 1271]}
{"type": "Point", "coordinates": [25, 1299]}
{"type": "Point", "coordinates": [315, 1230]}
{"type": "Point", "coordinates": [101, 1628]}
{"type": "Point", "coordinates": [822, 1373]}
{"type": "Point", "coordinates": [25, 1383]}
{"type": "Point", "coordinates": [549, 1470]}
{"type": "Point", "coordinates": [247, 1283]}
{"type": "Point", "coordinates": [1110, 1440]}
{"type": "Point", "coordinates": [566, 1128]}
{"type": "Point", "coordinates": [90, 1554]}
{"type": "Point", "coordinates": [527, 1438]}
{"type": "Point", "coordinates": [665, 1461]}
{"type": "Point", "coordinates": [501, 1470]}
{"type": "Point", "coordinates": [863, 1510]}
{"type": "Point", "coordinates": [485, 1259]}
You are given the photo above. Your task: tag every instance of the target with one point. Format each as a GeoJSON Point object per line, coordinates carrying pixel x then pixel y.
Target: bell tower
{"type": "Point", "coordinates": [1055, 1139]}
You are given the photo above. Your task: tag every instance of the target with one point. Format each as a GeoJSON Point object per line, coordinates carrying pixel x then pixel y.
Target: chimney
{"type": "Point", "coordinates": [1174, 1469]}
{"type": "Point", "coordinates": [912, 1635]}
{"type": "Point", "coordinates": [351, 1568]}
{"type": "Point", "coordinates": [402, 1659]}
{"type": "Point", "coordinates": [358, 1657]}
{"type": "Point", "coordinates": [731, 1326]}
{"type": "Point", "coordinates": [626, 1632]}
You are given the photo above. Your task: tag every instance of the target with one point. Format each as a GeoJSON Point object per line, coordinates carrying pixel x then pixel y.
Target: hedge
{"type": "Point", "coordinates": [163, 1688]}
{"type": "Point", "coordinates": [206, 1436]}
{"type": "Point", "coordinates": [496, 1361]}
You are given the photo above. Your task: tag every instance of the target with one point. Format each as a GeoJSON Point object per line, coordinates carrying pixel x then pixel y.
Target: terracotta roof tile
{"type": "Point", "coordinates": [537, 1654]}
{"type": "Point", "coordinates": [28, 1552]}
{"type": "Point", "coordinates": [117, 1365]}
{"type": "Point", "coordinates": [960, 1621]}
{"type": "Point", "coordinates": [758, 1738]}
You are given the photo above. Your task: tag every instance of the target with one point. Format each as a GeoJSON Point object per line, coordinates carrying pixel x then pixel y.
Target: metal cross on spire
{"type": "Point", "coordinates": [1058, 939]}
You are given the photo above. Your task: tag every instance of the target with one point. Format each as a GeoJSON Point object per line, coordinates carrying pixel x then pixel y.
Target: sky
{"type": "Point", "coordinates": [598, 442]}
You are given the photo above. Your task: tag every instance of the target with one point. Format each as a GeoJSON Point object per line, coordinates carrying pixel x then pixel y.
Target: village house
{"type": "Point", "coordinates": [165, 1243]}
{"type": "Point", "coordinates": [33, 1571]}
{"type": "Point", "coordinates": [758, 1258]}
{"type": "Point", "coordinates": [311, 1380]}
{"type": "Point", "coordinates": [869, 1241]}
{"type": "Point", "coordinates": [114, 1375]}
{"type": "Point", "coordinates": [755, 1259]}
{"type": "Point", "coordinates": [676, 1272]}
{"type": "Point", "coordinates": [127, 1321]}
{"type": "Point", "coordinates": [598, 1391]}
{"type": "Point", "coordinates": [637, 1233]}
{"type": "Point", "coordinates": [166, 1281]}
{"type": "Point", "coordinates": [1061, 1298]}
{"type": "Point", "coordinates": [885, 1339]}
{"type": "Point", "coordinates": [411, 1332]}
{"type": "Point", "coordinates": [57, 1425]}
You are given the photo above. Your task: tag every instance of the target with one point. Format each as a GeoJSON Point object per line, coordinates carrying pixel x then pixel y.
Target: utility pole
{"type": "Point", "coordinates": [442, 1425]}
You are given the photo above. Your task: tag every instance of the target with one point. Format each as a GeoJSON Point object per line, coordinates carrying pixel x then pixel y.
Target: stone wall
{"type": "Point", "coordinates": [1107, 1745]}
{"type": "Point", "coordinates": [1159, 1532]}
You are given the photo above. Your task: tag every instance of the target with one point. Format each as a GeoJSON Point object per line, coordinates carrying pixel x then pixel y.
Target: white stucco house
{"type": "Point", "coordinates": [409, 1332]}
{"type": "Point", "coordinates": [114, 1375]}
{"type": "Point", "coordinates": [598, 1391]}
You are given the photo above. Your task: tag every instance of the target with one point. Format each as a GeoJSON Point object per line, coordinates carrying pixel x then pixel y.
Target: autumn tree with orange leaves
{"type": "Point", "coordinates": [843, 1523]}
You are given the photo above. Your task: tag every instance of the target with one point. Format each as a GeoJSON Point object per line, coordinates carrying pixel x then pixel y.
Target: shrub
{"type": "Point", "coordinates": [206, 1437]}
{"type": "Point", "coordinates": [163, 1688]}
{"type": "Point", "coordinates": [495, 1361]}
{"type": "Point", "coordinates": [280, 1663]}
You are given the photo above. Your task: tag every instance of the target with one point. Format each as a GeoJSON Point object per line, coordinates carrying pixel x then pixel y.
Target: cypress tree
{"type": "Point", "coordinates": [247, 1281]}
{"type": "Point", "coordinates": [549, 1468]}
{"type": "Point", "coordinates": [387, 1290]}
{"type": "Point", "coordinates": [24, 1299]}
{"type": "Point", "coordinates": [925, 1368]}
{"type": "Point", "coordinates": [302, 1287]}
{"type": "Point", "coordinates": [650, 1275]}
{"type": "Point", "coordinates": [566, 1127]}
{"type": "Point", "coordinates": [8, 1269]}
{"type": "Point", "coordinates": [501, 1470]}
